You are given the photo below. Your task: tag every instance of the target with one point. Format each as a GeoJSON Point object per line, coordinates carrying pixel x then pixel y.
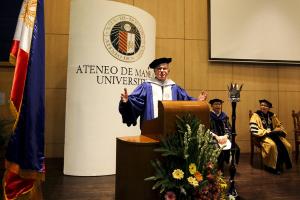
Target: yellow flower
{"type": "Point", "coordinates": [178, 174]}
{"type": "Point", "coordinates": [193, 181]}
{"type": "Point", "coordinates": [198, 176]}
{"type": "Point", "coordinates": [223, 186]}
{"type": "Point", "coordinates": [222, 183]}
{"type": "Point", "coordinates": [192, 168]}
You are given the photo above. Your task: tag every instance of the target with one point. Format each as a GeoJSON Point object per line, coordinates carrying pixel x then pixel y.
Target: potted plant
{"type": "Point", "coordinates": [187, 169]}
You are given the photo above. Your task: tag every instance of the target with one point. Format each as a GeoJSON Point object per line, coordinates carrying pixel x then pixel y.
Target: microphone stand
{"type": "Point", "coordinates": [234, 96]}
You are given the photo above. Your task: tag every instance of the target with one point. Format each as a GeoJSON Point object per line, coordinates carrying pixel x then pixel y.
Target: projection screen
{"type": "Point", "coordinates": [264, 31]}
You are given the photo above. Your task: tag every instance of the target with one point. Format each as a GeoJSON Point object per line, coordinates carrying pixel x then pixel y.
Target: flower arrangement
{"type": "Point", "coordinates": [187, 168]}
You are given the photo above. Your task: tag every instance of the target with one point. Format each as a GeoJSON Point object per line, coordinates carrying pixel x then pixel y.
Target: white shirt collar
{"type": "Point", "coordinates": [216, 113]}
{"type": "Point", "coordinates": [157, 82]}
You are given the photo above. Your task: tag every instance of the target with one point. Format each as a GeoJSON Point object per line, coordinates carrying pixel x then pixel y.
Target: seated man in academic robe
{"type": "Point", "coordinates": [221, 130]}
{"type": "Point", "coordinates": [276, 150]}
{"type": "Point", "coordinates": [143, 101]}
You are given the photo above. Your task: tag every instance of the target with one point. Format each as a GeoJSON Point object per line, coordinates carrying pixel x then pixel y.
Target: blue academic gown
{"type": "Point", "coordinates": [141, 100]}
{"type": "Point", "coordinates": [219, 124]}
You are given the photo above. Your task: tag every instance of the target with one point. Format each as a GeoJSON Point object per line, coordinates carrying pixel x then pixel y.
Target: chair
{"type": "Point", "coordinates": [296, 116]}
{"type": "Point", "coordinates": [254, 144]}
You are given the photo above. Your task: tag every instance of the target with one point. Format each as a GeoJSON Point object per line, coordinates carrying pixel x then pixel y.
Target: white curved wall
{"type": "Point", "coordinates": [97, 74]}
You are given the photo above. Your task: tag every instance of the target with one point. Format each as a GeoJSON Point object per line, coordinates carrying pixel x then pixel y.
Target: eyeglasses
{"type": "Point", "coordinates": [162, 68]}
{"type": "Point", "coordinates": [264, 105]}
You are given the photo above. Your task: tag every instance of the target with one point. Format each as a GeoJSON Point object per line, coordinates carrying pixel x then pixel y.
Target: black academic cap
{"type": "Point", "coordinates": [155, 63]}
{"type": "Point", "coordinates": [267, 102]}
{"type": "Point", "coordinates": [212, 101]}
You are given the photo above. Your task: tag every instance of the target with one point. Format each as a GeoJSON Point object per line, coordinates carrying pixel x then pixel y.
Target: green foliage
{"type": "Point", "coordinates": [190, 145]}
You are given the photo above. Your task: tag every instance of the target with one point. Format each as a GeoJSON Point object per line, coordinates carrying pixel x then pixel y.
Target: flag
{"type": "Point", "coordinates": [25, 151]}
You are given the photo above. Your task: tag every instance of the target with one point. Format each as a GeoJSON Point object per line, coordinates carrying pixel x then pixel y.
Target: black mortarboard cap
{"type": "Point", "coordinates": [267, 102]}
{"type": "Point", "coordinates": [212, 101]}
{"type": "Point", "coordinates": [155, 63]}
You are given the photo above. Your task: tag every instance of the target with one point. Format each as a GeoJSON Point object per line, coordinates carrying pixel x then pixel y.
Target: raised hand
{"type": "Point", "coordinates": [202, 96]}
{"type": "Point", "coordinates": [124, 96]}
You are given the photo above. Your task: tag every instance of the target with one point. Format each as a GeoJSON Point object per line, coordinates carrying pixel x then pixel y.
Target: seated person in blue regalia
{"type": "Point", "coordinates": [221, 130]}
{"type": "Point", "coordinates": [143, 101]}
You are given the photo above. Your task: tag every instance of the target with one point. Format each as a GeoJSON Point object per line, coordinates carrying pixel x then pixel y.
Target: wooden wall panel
{"type": "Point", "coordinates": [54, 150]}
{"type": "Point", "coordinates": [219, 75]}
{"type": "Point", "coordinates": [258, 77]}
{"type": "Point", "coordinates": [288, 101]}
{"type": "Point", "coordinates": [193, 93]}
{"type": "Point", "coordinates": [57, 14]}
{"type": "Point", "coordinates": [170, 19]}
{"type": "Point", "coordinates": [173, 48]}
{"type": "Point", "coordinates": [55, 117]}
{"type": "Point", "coordinates": [6, 77]}
{"type": "Point", "coordinates": [243, 144]}
{"type": "Point", "coordinates": [169, 15]}
{"type": "Point", "coordinates": [149, 6]}
{"type": "Point", "coordinates": [196, 21]}
{"type": "Point", "coordinates": [57, 33]}
{"type": "Point", "coordinates": [196, 66]}
{"type": "Point", "coordinates": [56, 60]}
{"type": "Point", "coordinates": [289, 78]}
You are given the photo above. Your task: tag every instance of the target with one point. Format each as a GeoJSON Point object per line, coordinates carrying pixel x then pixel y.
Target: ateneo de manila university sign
{"type": "Point", "coordinates": [110, 47]}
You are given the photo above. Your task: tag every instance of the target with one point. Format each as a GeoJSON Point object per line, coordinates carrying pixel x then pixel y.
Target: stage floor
{"type": "Point", "coordinates": [251, 183]}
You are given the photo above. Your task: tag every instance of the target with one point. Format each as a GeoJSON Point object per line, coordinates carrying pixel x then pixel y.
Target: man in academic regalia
{"type": "Point", "coordinates": [276, 149]}
{"type": "Point", "coordinates": [221, 130]}
{"type": "Point", "coordinates": [143, 101]}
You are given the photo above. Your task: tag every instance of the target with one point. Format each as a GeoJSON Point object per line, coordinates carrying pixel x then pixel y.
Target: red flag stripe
{"type": "Point", "coordinates": [16, 186]}
{"type": "Point", "coordinates": [14, 51]}
{"type": "Point", "coordinates": [19, 79]}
